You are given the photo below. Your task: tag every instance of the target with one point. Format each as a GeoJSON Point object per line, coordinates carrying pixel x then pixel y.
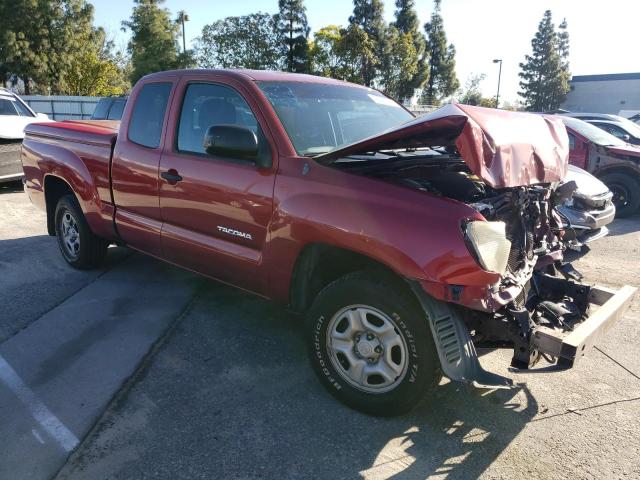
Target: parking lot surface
{"type": "Point", "coordinates": [225, 390]}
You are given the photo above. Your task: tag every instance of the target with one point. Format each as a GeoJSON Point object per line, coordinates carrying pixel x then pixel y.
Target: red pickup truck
{"type": "Point", "coordinates": [405, 241]}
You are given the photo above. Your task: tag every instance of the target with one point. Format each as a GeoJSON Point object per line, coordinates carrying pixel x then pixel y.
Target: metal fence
{"type": "Point", "coordinates": [421, 109]}
{"type": "Point", "coordinates": [61, 107]}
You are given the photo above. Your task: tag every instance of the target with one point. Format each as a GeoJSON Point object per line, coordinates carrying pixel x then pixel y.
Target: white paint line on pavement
{"type": "Point", "coordinates": [54, 427]}
{"type": "Point", "coordinates": [37, 435]}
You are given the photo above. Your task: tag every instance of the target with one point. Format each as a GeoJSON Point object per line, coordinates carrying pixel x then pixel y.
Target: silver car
{"type": "Point", "coordinates": [588, 212]}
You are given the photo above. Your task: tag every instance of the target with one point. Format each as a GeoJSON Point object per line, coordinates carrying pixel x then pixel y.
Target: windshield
{"type": "Point", "coordinates": [593, 133]}
{"type": "Point", "coordinates": [320, 117]}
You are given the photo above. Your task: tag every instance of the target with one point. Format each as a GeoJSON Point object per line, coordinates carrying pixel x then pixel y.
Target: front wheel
{"type": "Point", "coordinates": [79, 246]}
{"type": "Point", "coordinates": [626, 193]}
{"type": "Point", "coordinates": [371, 346]}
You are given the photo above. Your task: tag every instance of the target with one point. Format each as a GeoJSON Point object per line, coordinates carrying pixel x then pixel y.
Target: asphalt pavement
{"type": "Point", "coordinates": [221, 388]}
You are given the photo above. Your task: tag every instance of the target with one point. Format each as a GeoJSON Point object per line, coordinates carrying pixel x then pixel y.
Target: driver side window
{"type": "Point", "coordinates": [206, 105]}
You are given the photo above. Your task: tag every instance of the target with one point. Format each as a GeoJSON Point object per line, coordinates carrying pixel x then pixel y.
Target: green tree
{"type": "Point", "coordinates": [39, 40]}
{"type": "Point", "coordinates": [471, 94]}
{"type": "Point", "coordinates": [341, 52]}
{"type": "Point", "coordinates": [324, 52]}
{"type": "Point", "coordinates": [356, 49]}
{"type": "Point", "coordinates": [545, 73]}
{"type": "Point", "coordinates": [442, 80]}
{"type": "Point", "coordinates": [292, 25]}
{"type": "Point", "coordinates": [249, 41]}
{"type": "Point", "coordinates": [407, 23]}
{"type": "Point", "coordinates": [399, 63]}
{"type": "Point", "coordinates": [369, 16]}
{"type": "Point", "coordinates": [154, 39]}
{"type": "Point", "coordinates": [96, 70]}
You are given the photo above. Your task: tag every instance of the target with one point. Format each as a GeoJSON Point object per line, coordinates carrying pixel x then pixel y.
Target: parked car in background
{"type": "Point", "coordinates": [614, 161]}
{"type": "Point", "coordinates": [109, 108]}
{"type": "Point", "coordinates": [14, 116]}
{"type": "Point", "coordinates": [618, 126]}
{"type": "Point", "coordinates": [331, 198]}
{"type": "Point", "coordinates": [628, 131]}
{"type": "Point", "coordinates": [589, 210]}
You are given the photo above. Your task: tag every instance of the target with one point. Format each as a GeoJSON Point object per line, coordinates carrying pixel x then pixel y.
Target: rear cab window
{"type": "Point", "coordinates": [115, 113]}
{"type": "Point", "coordinates": [102, 107]}
{"type": "Point", "coordinates": [147, 117]}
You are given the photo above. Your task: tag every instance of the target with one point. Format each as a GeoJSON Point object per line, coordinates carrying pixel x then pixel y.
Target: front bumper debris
{"type": "Point", "coordinates": [589, 218]}
{"type": "Point", "coordinates": [456, 351]}
{"type": "Point", "coordinates": [569, 347]}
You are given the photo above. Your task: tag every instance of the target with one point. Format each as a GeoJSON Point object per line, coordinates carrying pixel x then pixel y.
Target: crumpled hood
{"type": "Point", "coordinates": [503, 148]}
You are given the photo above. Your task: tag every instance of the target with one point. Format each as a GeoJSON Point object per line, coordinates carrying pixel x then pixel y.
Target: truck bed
{"type": "Point", "coordinates": [83, 149]}
{"type": "Point", "coordinates": [96, 132]}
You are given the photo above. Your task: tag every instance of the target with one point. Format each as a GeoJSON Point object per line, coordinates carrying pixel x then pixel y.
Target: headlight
{"type": "Point", "coordinates": [490, 244]}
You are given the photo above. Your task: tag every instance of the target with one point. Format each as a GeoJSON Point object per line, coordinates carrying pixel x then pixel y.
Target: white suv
{"type": "Point", "coordinates": [14, 116]}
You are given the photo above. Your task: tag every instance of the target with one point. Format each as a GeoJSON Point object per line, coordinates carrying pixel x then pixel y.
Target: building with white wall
{"type": "Point", "coordinates": [608, 93]}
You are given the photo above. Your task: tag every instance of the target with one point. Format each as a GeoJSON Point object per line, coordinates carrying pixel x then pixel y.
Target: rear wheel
{"type": "Point", "coordinates": [371, 346]}
{"type": "Point", "coordinates": [626, 193]}
{"type": "Point", "coordinates": [79, 246]}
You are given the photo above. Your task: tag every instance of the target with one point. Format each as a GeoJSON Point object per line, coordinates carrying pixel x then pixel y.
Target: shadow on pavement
{"type": "Point", "coordinates": [34, 278]}
{"type": "Point", "coordinates": [231, 395]}
{"type": "Point", "coordinates": [11, 187]}
{"type": "Point", "coordinates": [622, 226]}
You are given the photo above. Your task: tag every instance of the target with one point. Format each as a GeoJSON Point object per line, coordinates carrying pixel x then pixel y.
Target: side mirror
{"type": "Point", "coordinates": [626, 138]}
{"type": "Point", "coordinates": [234, 141]}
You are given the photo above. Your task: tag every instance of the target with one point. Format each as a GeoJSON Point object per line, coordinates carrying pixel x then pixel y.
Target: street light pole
{"type": "Point", "coordinates": [498, 60]}
{"type": "Point", "coordinates": [184, 18]}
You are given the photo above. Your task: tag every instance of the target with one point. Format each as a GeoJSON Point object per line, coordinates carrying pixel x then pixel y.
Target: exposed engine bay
{"type": "Point", "coordinates": [543, 291]}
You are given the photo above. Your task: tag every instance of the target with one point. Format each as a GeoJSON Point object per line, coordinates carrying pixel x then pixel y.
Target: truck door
{"type": "Point", "coordinates": [578, 151]}
{"type": "Point", "coordinates": [215, 210]}
{"type": "Point", "coordinates": [134, 169]}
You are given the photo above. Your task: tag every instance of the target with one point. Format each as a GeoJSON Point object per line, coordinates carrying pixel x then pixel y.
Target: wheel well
{"type": "Point", "coordinates": [54, 189]}
{"type": "Point", "coordinates": [318, 265]}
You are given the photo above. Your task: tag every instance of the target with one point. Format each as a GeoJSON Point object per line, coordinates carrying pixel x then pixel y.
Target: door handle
{"type": "Point", "coordinates": [171, 176]}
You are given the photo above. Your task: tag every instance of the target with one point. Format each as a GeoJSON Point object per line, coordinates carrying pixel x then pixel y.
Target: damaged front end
{"type": "Point", "coordinates": [508, 167]}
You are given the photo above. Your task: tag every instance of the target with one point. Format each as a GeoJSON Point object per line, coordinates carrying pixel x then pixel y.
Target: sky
{"type": "Point", "coordinates": [603, 34]}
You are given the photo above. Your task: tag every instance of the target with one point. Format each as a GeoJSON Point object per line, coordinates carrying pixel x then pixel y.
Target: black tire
{"type": "Point", "coordinates": [422, 366]}
{"type": "Point", "coordinates": [91, 250]}
{"type": "Point", "coordinates": [626, 193]}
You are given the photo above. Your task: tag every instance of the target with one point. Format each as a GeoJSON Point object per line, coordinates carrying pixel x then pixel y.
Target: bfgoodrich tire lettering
{"type": "Point", "coordinates": [415, 368]}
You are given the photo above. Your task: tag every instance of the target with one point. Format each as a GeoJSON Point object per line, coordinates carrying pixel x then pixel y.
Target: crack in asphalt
{"type": "Point", "coordinates": [577, 411]}
{"type": "Point", "coordinates": [617, 362]}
